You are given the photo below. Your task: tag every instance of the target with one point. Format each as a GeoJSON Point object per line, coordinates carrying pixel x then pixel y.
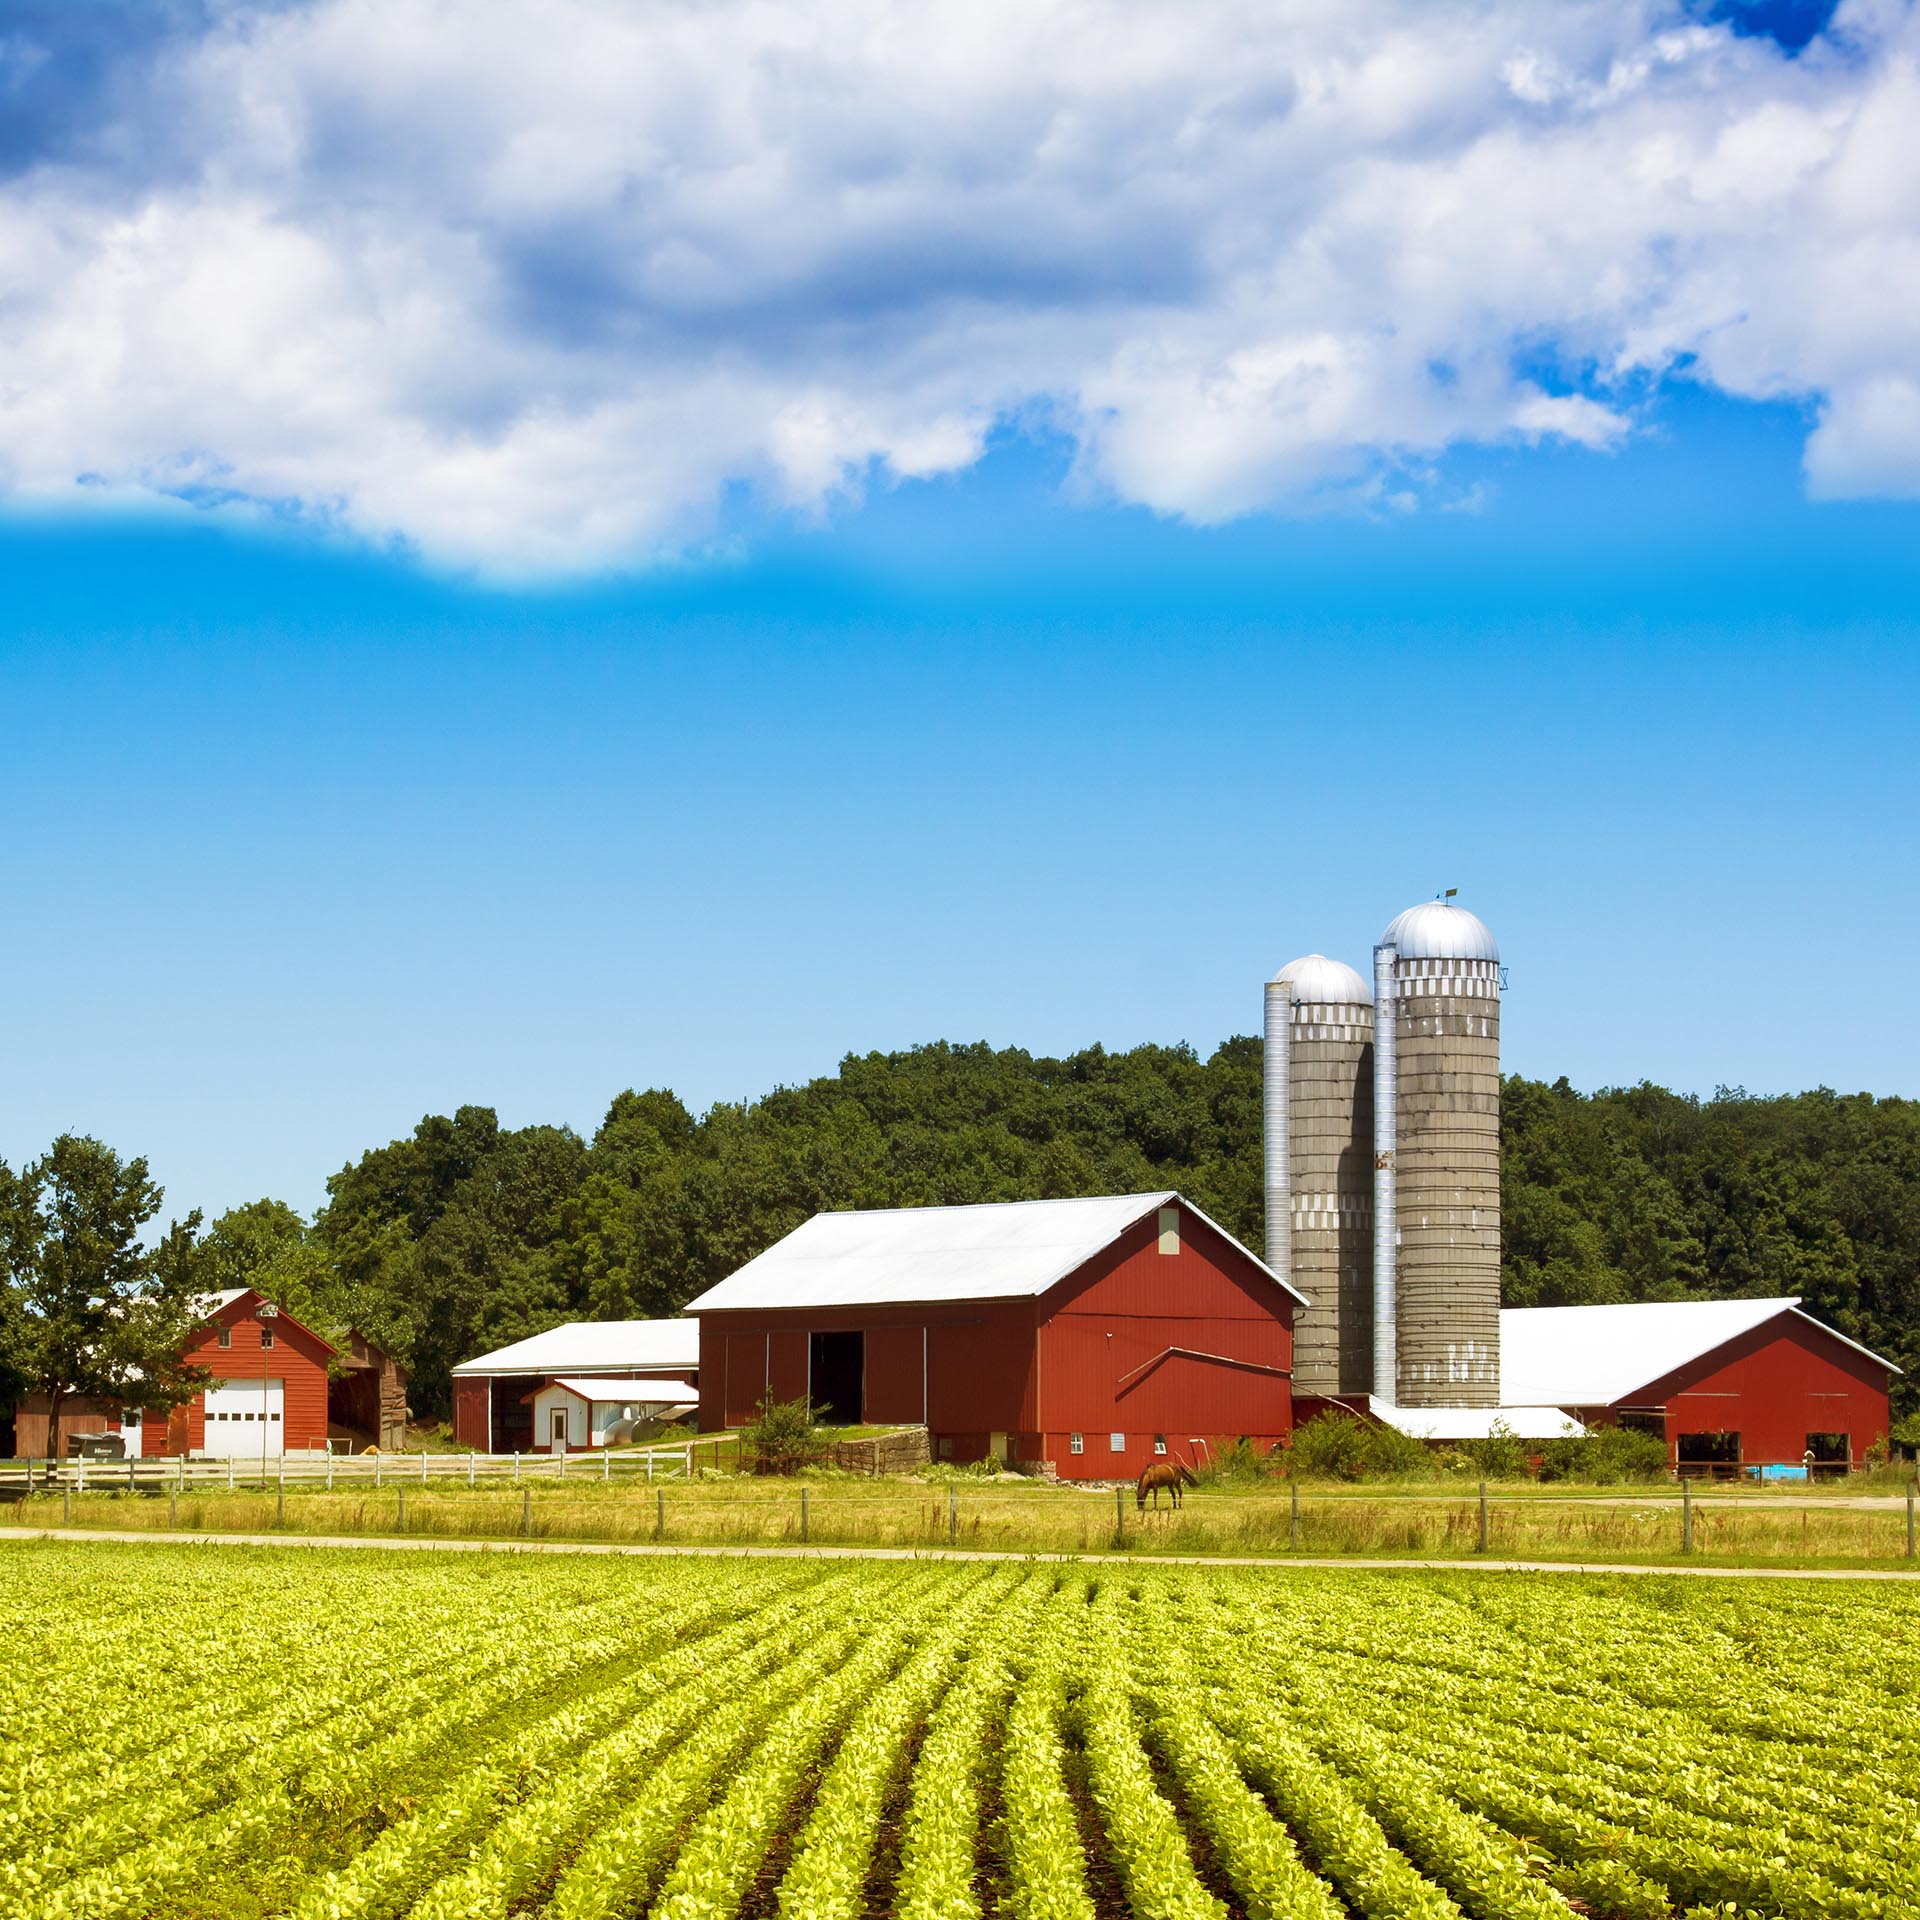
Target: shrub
{"type": "Point", "coordinates": [1605, 1456]}
{"type": "Point", "coordinates": [1500, 1456]}
{"type": "Point", "coordinates": [1236, 1463]}
{"type": "Point", "coordinates": [1336, 1446]}
{"type": "Point", "coordinates": [781, 1437]}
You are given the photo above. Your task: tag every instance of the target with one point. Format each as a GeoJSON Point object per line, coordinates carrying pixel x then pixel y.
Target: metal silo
{"type": "Point", "coordinates": [1437, 1160]}
{"type": "Point", "coordinates": [1318, 1093]}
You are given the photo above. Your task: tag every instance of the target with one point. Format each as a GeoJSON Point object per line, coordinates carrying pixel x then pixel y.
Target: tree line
{"type": "Point", "coordinates": [466, 1235]}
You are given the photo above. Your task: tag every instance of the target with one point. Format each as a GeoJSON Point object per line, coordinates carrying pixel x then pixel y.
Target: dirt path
{"type": "Point", "coordinates": [375, 1543]}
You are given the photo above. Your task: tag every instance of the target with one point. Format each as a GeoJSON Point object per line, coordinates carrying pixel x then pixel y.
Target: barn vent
{"type": "Point", "coordinates": [1169, 1229]}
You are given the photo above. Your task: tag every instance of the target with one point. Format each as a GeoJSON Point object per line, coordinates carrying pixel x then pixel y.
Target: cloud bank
{"type": "Point", "coordinates": [537, 287]}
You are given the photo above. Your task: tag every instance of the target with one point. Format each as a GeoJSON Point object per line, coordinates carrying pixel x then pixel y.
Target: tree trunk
{"type": "Point", "coordinates": [54, 1399]}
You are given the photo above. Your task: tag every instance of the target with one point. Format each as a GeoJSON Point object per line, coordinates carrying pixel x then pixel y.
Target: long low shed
{"type": "Point", "coordinates": [1093, 1335]}
{"type": "Point", "coordinates": [1725, 1383]}
{"type": "Point", "coordinates": [503, 1403]}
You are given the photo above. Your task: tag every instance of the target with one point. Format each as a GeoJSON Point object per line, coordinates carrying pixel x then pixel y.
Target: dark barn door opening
{"type": "Point", "coordinates": [836, 1373]}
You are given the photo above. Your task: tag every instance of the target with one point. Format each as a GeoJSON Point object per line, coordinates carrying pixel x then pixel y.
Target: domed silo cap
{"type": "Point", "coordinates": [1438, 930]}
{"type": "Point", "coordinates": [1325, 982]}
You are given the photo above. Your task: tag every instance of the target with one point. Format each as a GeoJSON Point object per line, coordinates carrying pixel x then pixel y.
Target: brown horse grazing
{"type": "Point", "coordinates": [1163, 1473]}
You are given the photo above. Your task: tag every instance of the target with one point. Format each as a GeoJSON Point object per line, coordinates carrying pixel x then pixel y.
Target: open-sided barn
{"type": "Point", "coordinates": [541, 1393]}
{"type": "Point", "coordinates": [1092, 1334]}
{"type": "Point", "coordinates": [1724, 1382]}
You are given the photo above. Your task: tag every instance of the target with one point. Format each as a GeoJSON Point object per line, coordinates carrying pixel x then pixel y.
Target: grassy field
{"type": "Point", "coordinates": [1815, 1530]}
{"type": "Point", "coordinates": [448, 1737]}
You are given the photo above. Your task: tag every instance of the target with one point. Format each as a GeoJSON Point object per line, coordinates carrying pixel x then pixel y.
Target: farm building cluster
{"type": "Point", "coordinates": [1088, 1337]}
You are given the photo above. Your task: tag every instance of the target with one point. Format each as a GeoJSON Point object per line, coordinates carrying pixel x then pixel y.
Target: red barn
{"type": "Point", "coordinates": [268, 1392]}
{"type": "Point", "coordinates": [1092, 1334]}
{"type": "Point", "coordinates": [1726, 1383]}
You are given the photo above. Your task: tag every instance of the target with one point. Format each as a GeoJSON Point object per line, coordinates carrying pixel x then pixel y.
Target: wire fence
{"type": "Point", "coordinates": [598, 1498]}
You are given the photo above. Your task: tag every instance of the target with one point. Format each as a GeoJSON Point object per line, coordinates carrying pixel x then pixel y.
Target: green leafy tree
{"type": "Point", "coordinates": [92, 1313]}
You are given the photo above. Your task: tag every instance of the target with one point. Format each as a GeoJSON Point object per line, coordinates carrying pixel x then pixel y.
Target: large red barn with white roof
{"type": "Point", "coordinates": [1092, 1335]}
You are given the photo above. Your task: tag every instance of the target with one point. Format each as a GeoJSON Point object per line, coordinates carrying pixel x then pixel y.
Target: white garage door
{"type": "Point", "coordinates": [243, 1418]}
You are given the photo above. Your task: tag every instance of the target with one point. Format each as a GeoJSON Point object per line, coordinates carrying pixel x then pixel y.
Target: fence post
{"type": "Point", "coordinates": [66, 1504]}
{"type": "Point", "coordinates": [1483, 1516]}
{"type": "Point", "coordinates": [329, 1469]}
{"type": "Point", "coordinates": [400, 1517]}
{"type": "Point", "coordinates": [516, 1465]}
{"type": "Point", "coordinates": [130, 1467]}
{"type": "Point", "coordinates": [803, 1516]}
{"type": "Point", "coordinates": [379, 1465]}
{"type": "Point", "coordinates": [1910, 1487]}
{"type": "Point", "coordinates": [526, 1510]}
{"type": "Point", "coordinates": [280, 1501]}
{"type": "Point", "coordinates": [1293, 1516]}
{"type": "Point", "coordinates": [649, 1465]}
{"type": "Point", "coordinates": [229, 1473]}
{"type": "Point", "coordinates": [173, 1507]}
{"type": "Point", "coordinates": [659, 1513]}
{"type": "Point", "coordinates": [953, 1515]}
{"type": "Point", "coordinates": [1686, 1516]}
{"type": "Point", "coordinates": [473, 1464]}
{"type": "Point", "coordinates": [423, 1466]}
{"type": "Point", "coordinates": [1119, 1516]}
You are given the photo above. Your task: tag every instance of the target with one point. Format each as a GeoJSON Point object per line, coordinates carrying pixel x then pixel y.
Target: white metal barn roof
{"type": "Point", "coordinates": [1595, 1356]}
{"type": "Point", "coordinates": [1478, 1423]}
{"type": "Point", "coordinates": [1006, 1250]}
{"type": "Point", "coordinates": [595, 1346]}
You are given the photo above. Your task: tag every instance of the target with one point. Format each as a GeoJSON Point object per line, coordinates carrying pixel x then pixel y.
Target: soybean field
{"type": "Point", "coordinates": [247, 1732]}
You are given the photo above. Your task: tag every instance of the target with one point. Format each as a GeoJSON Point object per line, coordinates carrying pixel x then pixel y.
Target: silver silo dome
{"type": "Point", "coordinates": [1437, 1159]}
{"type": "Point", "coordinates": [1318, 1099]}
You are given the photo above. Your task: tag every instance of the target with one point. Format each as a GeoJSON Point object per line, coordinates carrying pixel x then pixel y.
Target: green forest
{"type": "Point", "coordinates": [466, 1234]}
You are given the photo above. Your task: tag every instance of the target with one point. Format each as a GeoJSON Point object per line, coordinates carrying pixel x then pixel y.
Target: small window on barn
{"type": "Point", "coordinates": [266, 1337]}
{"type": "Point", "coordinates": [1116, 1443]}
{"type": "Point", "coordinates": [1076, 1443]}
{"type": "Point", "coordinates": [1159, 1443]}
{"type": "Point", "coordinates": [1169, 1229]}
{"type": "Point", "coordinates": [226, 1336]}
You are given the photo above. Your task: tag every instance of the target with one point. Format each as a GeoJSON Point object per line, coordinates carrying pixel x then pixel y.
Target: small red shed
{"type": "Point", "coordinates": [1094, 1335]}
{"type": "Point", "coordinates": [1728, 1384]}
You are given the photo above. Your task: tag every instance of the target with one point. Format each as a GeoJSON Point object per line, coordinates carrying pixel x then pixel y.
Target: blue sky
{"type": "Point", "coordinates": [303, 845]}
{"type": "Point", "coordinates": [494, 629]}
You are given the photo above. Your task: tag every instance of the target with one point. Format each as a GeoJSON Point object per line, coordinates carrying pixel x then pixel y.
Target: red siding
{"type": "Point", "coordinates": [1105, 1367]}
{"type": "Point", "coordinates": [1774, 1386]}
{"type": "Point", "coordinates": [470, 1414]}
{"type": "Point", "coordinates": [976, 1354]}
{"type": "Point", "coordinates": [895, 1380]}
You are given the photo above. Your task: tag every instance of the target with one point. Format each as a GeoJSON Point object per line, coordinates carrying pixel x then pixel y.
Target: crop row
{"type": "Point", "coordinates": [297, 1733]}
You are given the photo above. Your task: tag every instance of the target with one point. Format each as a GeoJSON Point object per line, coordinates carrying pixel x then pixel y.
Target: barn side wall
{"type": "Point", "coordinates": [1105, 1369]}
{"type": "Point", "coordinates": [963, 1367]}
{"type": "Point", "coordinates": [1775, 1385]}
{"type": "Point", "coordinates": [470, 1413]}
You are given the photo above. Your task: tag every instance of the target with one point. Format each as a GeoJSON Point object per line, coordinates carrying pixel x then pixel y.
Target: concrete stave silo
{"type": "Point", "coordinates": [1319, 1165]}
{"type": "Point", "coordinates": [1438, 1173]}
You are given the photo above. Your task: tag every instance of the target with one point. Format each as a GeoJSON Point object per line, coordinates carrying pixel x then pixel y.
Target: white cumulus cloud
{"type": "Point", "coordinates": [535, 287]}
